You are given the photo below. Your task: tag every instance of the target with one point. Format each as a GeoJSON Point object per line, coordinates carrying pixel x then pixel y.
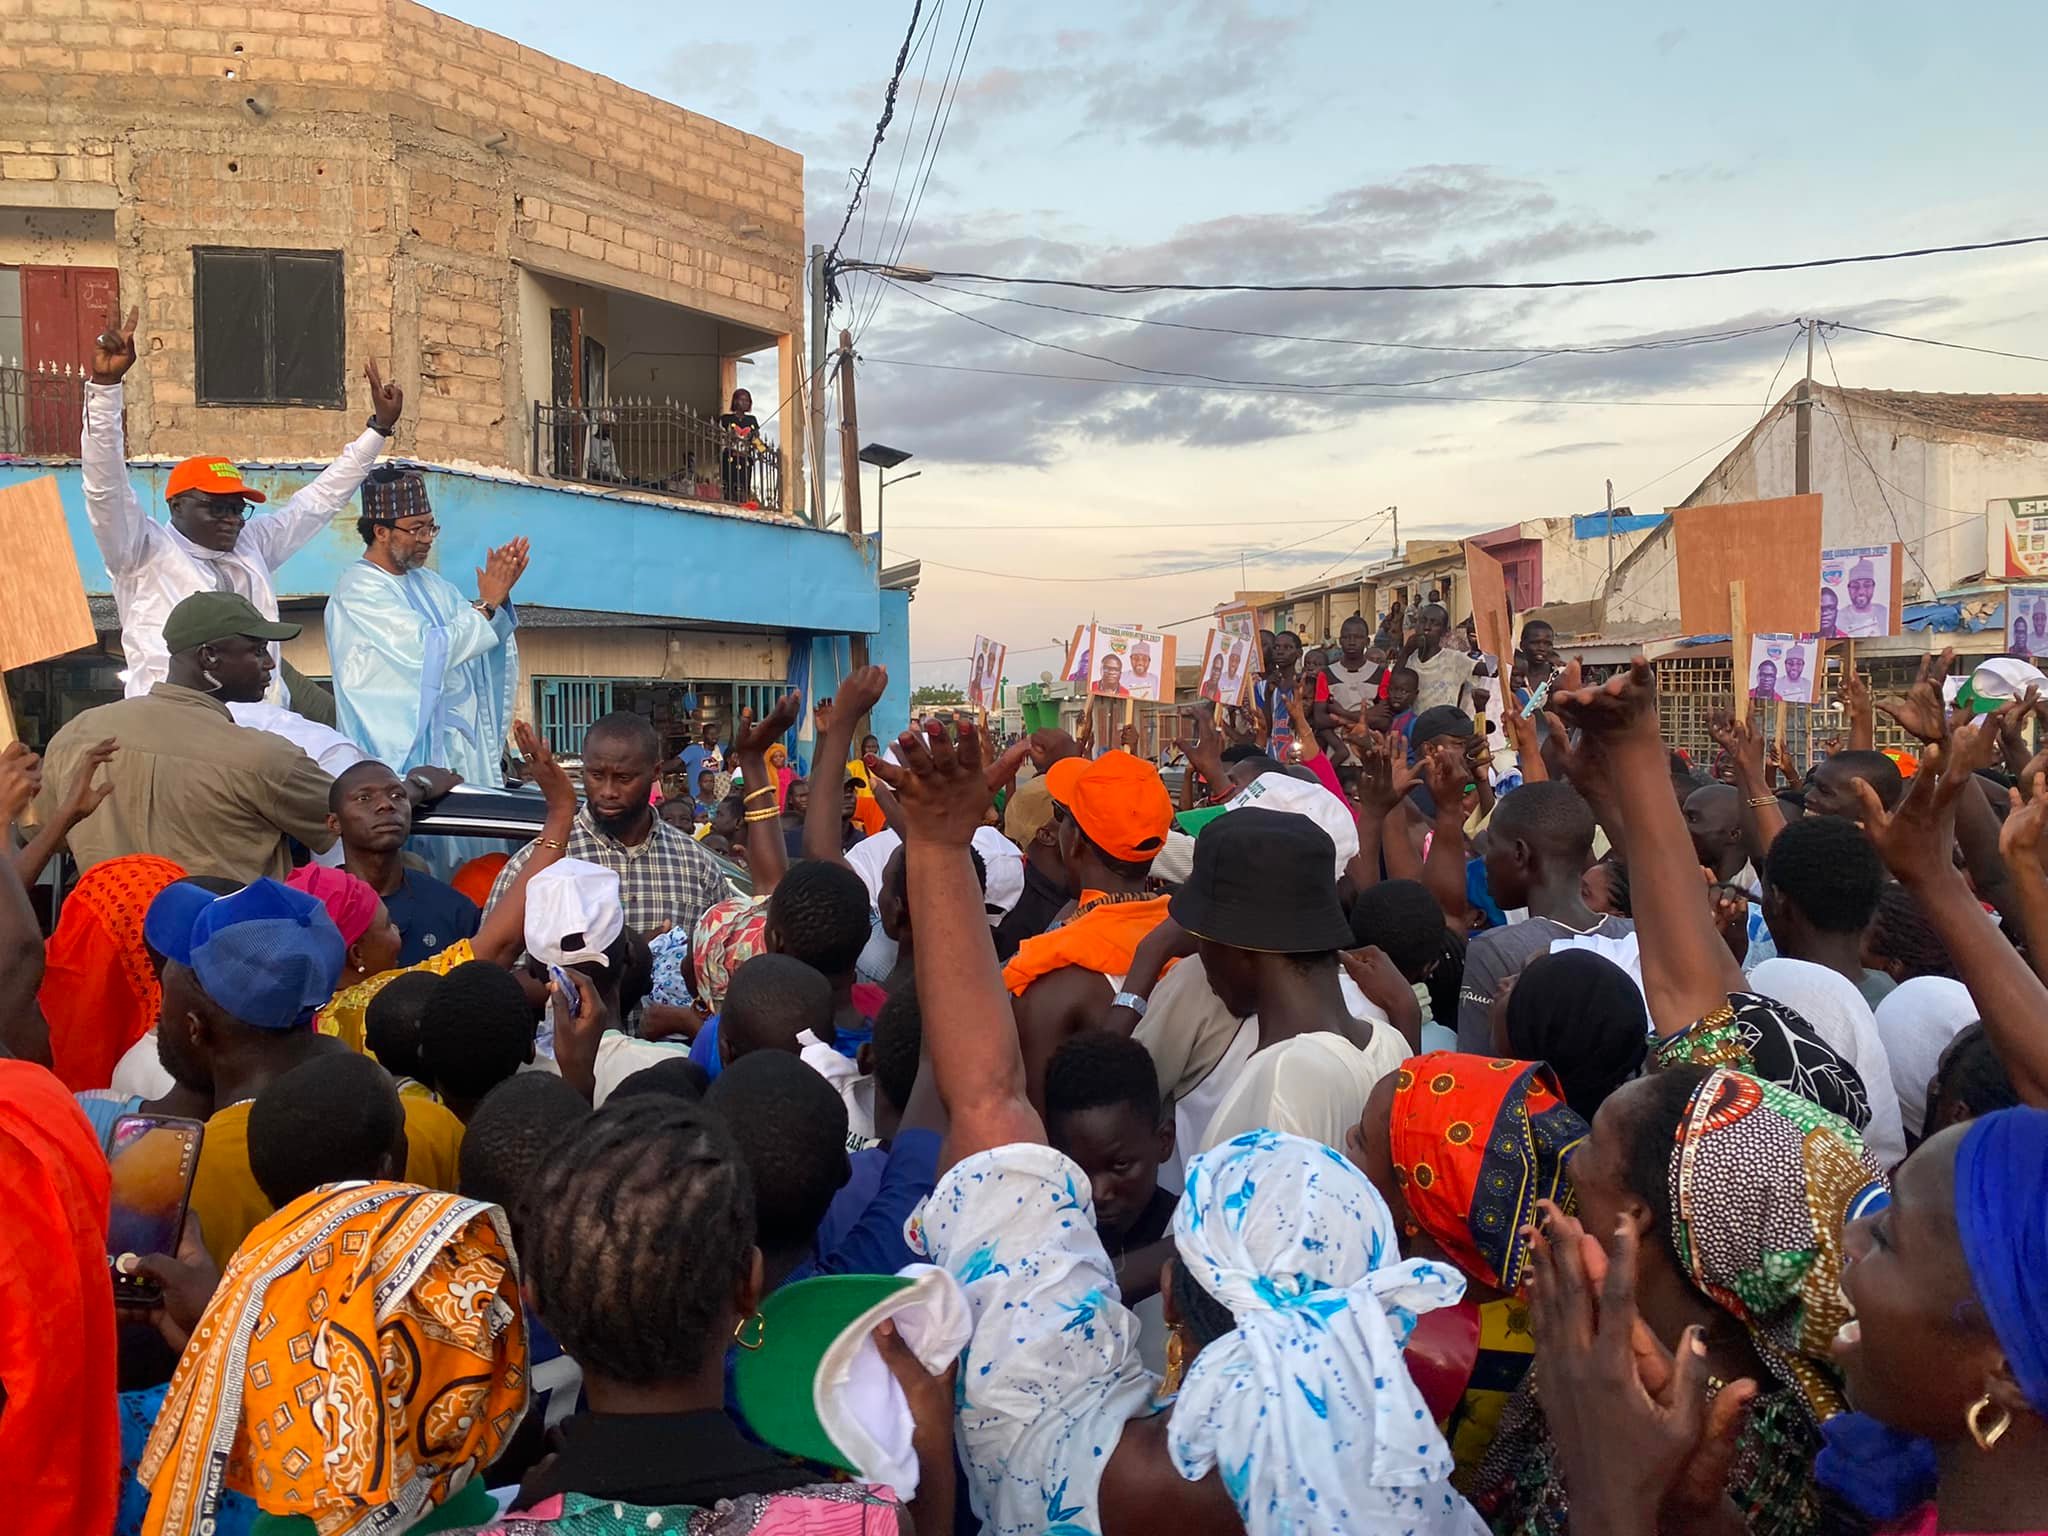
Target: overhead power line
{"type": "Point", "coordinates": [1929, 341]}
{"type": "Point", "coordinates": [1472, 287]}
{"type": "Point", "coordinates": [860, 184]}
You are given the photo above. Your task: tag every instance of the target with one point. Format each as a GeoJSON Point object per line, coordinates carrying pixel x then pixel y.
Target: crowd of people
{"type": "Point", "coordinates": [1455, 1113]}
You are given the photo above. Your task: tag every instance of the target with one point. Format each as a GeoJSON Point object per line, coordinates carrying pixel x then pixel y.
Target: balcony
{"type": "Point", "coordinates": [656, 445]}
{"type": "Point", "coordinates": [40, 410]}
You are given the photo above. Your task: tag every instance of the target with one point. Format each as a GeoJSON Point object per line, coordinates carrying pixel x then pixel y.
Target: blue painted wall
{"type": "Point", "coordinates": [589, 551]}
{"type": "Point", "coordinates": [891, 649]}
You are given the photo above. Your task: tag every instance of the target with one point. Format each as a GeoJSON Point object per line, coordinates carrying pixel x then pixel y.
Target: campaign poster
{"type": "Point", "coordinates": [1857, 594]}
{"type": "Point", "coordinates": [1783, 667]}
{"type": "Point", "coordinates": [1127, 663]}
{"type": "Point", "coordinates": [1078, 649]}
{"type": "Point", "coordinates": [2026, 623]}
{"type": "Point", "coordinates": [1242, 621]}
{"type": "Point", "coordinates": [1226, 667]}
{"type": "Point", "coordinates": [985, 677]}
{"type": "Point", "coordinates": [2023, 523]}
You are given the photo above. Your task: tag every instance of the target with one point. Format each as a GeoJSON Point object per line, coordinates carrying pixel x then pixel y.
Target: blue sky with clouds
{"type": "Point", "coordinates": [1262, 141]}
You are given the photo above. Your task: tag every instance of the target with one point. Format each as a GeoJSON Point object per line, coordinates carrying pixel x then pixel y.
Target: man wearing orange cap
{"type": "Point", "coordinates": [210, 543]}
{"type": "Point", "coordinates": [1112, 814]}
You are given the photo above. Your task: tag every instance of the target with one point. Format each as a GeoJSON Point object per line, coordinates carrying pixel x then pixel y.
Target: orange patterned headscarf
{"type": "Point", "coordinates": [100, 992]}
{"type": "Point", "coordinates": [363, 1358]}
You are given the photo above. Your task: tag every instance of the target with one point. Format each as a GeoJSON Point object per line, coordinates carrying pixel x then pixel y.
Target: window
{"type": "Point", "coordinates": [268, 327]}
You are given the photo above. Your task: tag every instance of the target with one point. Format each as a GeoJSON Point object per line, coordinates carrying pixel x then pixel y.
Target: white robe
{"type": "Point", "coordinates": [420, 676]}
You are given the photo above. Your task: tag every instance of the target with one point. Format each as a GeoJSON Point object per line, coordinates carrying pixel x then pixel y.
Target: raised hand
{"type": "Point", "coordinates": [21, 780]}
{"type": "Point", "coordinates": [541, 766]}
{"type": "Point", "coordinates": [1003, 770]}
{"type": "Point", "coordinates": [755, 737]}
{"type": "Point", "coordinates": [1920, 712]}
{"type": "Point", "coordinates": [1386, 777]}
{"type": "Point", "coordinates": [1049, 746]}
{"type": "Point", "coordinates": [1447, 774]}
{"type": "Point", "coordinates": [2020, 837]}
{"type": "Point", "coordinates": [1622, 708]}
{"type": "Point", "coordinates": [86, 797]}
{"type": "Point", "coordinates": [501, 570]}
{"type": "Point", "coordinates": [387, 400]}
{"type": "Point", "coordinates": [1740, 740]}
{"type": "Point", "coordinates": [941, 791]}
{"type": "Point", "coordinates": [1916, 839]}
{"type": "Point", "coordinates": [859, 693]}
{"type": "Point", "coordinates": [113, 350]}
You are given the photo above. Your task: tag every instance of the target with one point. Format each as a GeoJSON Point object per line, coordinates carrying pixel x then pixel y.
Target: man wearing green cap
{"type": "Point", "coordinates": [187, 783]}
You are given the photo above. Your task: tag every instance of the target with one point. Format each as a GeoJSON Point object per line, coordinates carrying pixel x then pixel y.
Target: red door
{"type": "Point", "coordinates": [62, 310]}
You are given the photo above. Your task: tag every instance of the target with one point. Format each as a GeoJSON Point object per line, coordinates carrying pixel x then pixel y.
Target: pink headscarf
{"type": "Point", "coordinates": [347, 898]}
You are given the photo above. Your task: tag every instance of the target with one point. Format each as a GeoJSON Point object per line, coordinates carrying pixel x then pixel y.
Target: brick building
{"type": "Point", "coordinates": [567, 277]}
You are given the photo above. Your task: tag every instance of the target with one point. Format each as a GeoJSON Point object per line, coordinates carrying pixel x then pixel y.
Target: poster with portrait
{"type": "Point", "coordinates": [1783, 667]}
{"type": "Point", "coordinates": [2026, 623]}
{"type": "Point", "coordinates": [1241, 620]}
{"type": "Point", "coordinates": [1076, 668]}
{"type": "Point", "coordinates": [985, 674]}
{"type": "Point", "coordinates": [1226, 667]}
{"type": "Point", "coordinates": [1859, 592]}
{"type": "Point", "coordinates": [1127, 663]}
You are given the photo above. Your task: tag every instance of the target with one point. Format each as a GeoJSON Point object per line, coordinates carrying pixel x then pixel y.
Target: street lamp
{"type": "Point", "coordinates": [885, 458]}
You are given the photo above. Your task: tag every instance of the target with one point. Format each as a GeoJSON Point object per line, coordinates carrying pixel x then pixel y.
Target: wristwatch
{"type": "Point", "coordinates": [379, 428]}
{"type": "Point", "coordinates": [488, 610]}
{"type": "Point", "coordinates": [1129, 1000]}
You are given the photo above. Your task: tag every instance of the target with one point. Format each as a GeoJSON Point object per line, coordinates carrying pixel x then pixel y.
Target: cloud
{"type": "Point", "coordinates": [1564, 448]}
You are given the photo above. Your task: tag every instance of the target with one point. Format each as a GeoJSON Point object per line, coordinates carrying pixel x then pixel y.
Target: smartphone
{"type": "Point", "coordinates": [152, 1159]}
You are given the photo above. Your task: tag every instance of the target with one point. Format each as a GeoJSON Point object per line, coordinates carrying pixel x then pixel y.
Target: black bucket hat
{"type": "Point", "coordinates": [1264, 880]}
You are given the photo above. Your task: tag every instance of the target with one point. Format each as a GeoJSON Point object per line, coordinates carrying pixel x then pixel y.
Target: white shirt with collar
{"type": "Point", "coordinates": [154, 567]}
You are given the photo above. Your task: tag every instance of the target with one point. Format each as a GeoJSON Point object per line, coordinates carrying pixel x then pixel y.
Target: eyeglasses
{"type": "Point", "coordinates": [227, 508]}
{"type": "Point", "coordinates": [418, 530]}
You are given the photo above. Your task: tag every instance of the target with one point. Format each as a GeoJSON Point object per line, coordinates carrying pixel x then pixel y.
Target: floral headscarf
{"type": "Point", "coordinates": [1306, 1409]}
{"type": "Point", "coordinates": [1762, 1183]}
{"type": "Point", "coordinates": [1477, 1141]}
{"type": "Point", "coordinates": [100, 992]}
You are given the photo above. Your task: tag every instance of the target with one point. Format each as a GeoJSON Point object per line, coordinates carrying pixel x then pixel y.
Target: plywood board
{"type": "Point", "coordinates": [1772, 547]}
{"type": "Point", "coordinates": [45, 613]}
{"type": "Point", "coordinates": [1491, 620]}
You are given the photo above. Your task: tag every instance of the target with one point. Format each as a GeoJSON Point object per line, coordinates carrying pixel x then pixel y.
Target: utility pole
{"type": "Point", "coordinates": [849, 440]}
{"type": "Point", "coordinates": [1802, 462]}
{"type": "Point", "coordinates": [1395, 514]}
{"type": "Point", "coordinates": [817, 386]}
{"type": "Point", "coordinates": [1610, 533]}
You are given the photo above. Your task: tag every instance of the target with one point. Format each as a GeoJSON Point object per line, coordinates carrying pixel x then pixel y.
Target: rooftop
{"type": "Point", "coordinates": [2022, 416]}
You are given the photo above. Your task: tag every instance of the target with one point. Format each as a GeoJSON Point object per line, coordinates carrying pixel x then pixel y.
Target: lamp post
{"type": "Point", "coordinates": [885, 458]}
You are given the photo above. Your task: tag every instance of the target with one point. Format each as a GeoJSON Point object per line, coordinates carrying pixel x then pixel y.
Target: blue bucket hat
{"type": "Point", "coordinates": [268, 955]}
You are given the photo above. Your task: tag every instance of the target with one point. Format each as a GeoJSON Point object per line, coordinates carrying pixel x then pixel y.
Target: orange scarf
{"type": "Point", "coordinates": [363, 1358]}
{"type": "Point", "coordinates": [1102, 939]}
{"type": "Point", "coordinates": [59, 1434]}
{"type": "Point", "coordinates": [100, 991]}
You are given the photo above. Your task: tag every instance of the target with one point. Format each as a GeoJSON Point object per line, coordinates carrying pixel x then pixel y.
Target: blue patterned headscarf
{"type": "Point", "coordinates": [1306, 1408]}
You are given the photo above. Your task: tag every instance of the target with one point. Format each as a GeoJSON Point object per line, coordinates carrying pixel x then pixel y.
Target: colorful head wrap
{"type": "Point", "coordinates": [394, 491]}
{"type": "Point", "coordinates": [348, 898]}
{"type": "Point", "coordinates": [100, 991]}
{"type": "Point", "coordinates": [362, 1359]}
{"type": "Point", "coordinates": [1477, 1141]}
{"type": "Point", "coordinates": [1306, 1409]}
{"type": "Point", "coordinates": [1762, 1183]}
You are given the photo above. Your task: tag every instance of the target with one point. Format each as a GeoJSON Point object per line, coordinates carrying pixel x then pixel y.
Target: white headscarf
{"type": "Point", "coordinates": [1829, 1001]}
{"type": "Point", "coordinates": [1917, 1022]}
{"type": "Point", "coordinates": [1306, 1409]}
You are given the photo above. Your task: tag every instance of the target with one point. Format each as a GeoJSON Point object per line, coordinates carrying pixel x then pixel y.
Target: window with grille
{"type": "Point", "coordinates": [268, 327]}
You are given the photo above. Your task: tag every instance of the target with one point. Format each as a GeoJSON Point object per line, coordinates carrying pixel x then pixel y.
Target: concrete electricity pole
{"type": "Point", "coordinates": [817, 386]}
{"type": "Point", "coordinates": [1802, 462]}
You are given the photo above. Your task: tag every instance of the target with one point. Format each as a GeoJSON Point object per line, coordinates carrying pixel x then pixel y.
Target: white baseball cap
{"type": "Point", "coordinates": [573, 899]}
{"type": "Point", "coordinates": [1283, 792]}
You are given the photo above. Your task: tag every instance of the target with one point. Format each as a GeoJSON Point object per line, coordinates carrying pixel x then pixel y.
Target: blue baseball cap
{"type": "Point", "coordinates": [268, 955]}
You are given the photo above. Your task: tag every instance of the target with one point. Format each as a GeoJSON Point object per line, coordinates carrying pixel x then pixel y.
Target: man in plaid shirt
{"type": "Point", "coordinates": [664, 877]}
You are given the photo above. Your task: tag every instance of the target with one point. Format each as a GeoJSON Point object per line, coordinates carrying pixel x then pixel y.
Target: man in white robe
{"type": "Point", "coordinates": [423, 674]}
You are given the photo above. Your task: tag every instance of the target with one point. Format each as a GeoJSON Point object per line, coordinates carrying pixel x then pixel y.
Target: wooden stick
{"type": "Point", "coordinates": [1738, 648]}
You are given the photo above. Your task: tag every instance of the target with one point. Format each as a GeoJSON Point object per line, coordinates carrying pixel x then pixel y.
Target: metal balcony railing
{"type": "Point", "coordinates": [40, 409]}
{"type": "Point", "coordinates": [655, 445]}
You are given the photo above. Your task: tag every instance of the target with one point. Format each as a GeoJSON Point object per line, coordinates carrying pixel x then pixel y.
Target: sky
{"type": "Point", "coordinates": [1261, 141]}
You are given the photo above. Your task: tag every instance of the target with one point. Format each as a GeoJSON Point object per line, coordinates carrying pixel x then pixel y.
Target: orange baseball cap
{"type": "Point", "coordinates": [217, 477]}
{"type": "Point", "coordinates": [1118, 800]}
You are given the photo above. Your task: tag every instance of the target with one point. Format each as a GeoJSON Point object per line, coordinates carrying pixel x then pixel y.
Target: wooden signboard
{"type": "Point", "coordinates": [1491, 620]}
{"type": "Point", "coordinates": [1771, 547]}
{"type": "Point", "coordinates": [45, 613]}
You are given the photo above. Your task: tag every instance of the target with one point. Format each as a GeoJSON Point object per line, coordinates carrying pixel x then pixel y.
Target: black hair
{"type": "Point", "coordinates": [790, 1127]}
{"type": "Point", "coordinates": [1404, 672]}
{"type": "Point", "coordinates": [477, 1030]}
{"type": "Point", "coordinates": [770, 1000]}
{"type": "Point", "coordinates": [1970, 1076]}
{"type": "Point", "coordinates": [1402, 918]}
{"type": "Point", "coordinates": [509, 1137]}
{"type": "Point", "coordinates": [1529, 624]}
{"type": "Point", "coordinates": [1877, 770]}
{"type": "Point", "coordinates": [819, 914]}
{"type": "Point", "coordinates": [1583, 1015]}
{"type": "Point", "coordinates": [1244, 752]}
{"type": "Point", "coordinates": [1552, 817]}
{"type": "Point", "coordinates": [642, 1229]}
{"type": "Point", "coordinates": [627, 974]}
{"type": "Point", "coordinates": [626, 728]}
{"type": "Point", "coordinates": [1657, 1111]}
{"type": "Point", "coordinates": [1900, 932]}
{"type": "Point", "coordinates": [1618, 890]}
{"type": "Point", "coordinates": [391, 1024]}
{"type": "Point", "coordinates": [1202, 1314]}
{"type": "Point", "coordinates": [678, 1077]}
{"type": "Point", "coordinates": [1827, 869]}
{"type": "Point", "coordinates": [897, 1043]}
{"type": "Point", "coordinates": [1097, 1068]}
{"type": "Point", "coordinates": [340, 784]}
{"type": "Point", "coordinates": [333, 1118]}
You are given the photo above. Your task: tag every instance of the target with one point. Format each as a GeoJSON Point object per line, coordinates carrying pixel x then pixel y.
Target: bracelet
{"type": "Point", "coordinates": [1129, 1000]}
{"type": "Point", "coordinates": [551, 842]}
{"type": "Point", "coordinates": [1756, 801]}
{"type": "Point", "coordinates": [767, 789]}
{"type": "Point", "coordinates": [771, 814]}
